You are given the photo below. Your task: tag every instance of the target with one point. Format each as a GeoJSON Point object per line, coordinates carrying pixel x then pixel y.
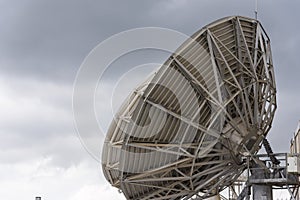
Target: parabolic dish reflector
{"type": "Point", "coordinates": [182, 133]}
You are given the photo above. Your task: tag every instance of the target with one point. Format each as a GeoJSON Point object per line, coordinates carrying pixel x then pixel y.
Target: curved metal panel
{"type": "Point", "coordinates": [182, 133]}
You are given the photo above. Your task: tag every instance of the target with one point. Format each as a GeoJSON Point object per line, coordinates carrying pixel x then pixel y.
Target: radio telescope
{"type": "Point", "coordinates": [183, 132]}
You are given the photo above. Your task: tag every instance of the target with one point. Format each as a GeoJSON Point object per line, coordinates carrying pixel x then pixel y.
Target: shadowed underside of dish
{"type": "Point", "coordinates": [182, 133]}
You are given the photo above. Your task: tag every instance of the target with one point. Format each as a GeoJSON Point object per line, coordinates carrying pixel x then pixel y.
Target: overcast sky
{"type": "Point", "coordinates": [42, 45]}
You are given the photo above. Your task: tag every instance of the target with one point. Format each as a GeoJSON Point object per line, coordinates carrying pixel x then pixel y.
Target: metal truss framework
{"type": "Point", "coordinates": [182, 133]}
{"type": "Point", "coordinates": [276, 176]}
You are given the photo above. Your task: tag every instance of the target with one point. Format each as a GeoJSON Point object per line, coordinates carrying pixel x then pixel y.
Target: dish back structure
{"type": "Point", "coordinates": [182, 134]}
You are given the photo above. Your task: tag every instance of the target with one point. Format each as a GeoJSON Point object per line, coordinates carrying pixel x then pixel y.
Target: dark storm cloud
{"type": "Point", "coordinates": [51, 38]}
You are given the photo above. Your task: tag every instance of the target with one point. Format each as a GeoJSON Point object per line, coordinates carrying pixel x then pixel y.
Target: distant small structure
{"type": "Point", "coordinates": [295, 142]}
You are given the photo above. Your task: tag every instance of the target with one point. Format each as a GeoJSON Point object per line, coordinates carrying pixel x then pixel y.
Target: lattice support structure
{"type": "Point", "coordinates": [182, 133]}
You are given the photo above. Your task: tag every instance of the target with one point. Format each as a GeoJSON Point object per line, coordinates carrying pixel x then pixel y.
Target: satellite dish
{"type": "Point", "coordinates": [184, 131]}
